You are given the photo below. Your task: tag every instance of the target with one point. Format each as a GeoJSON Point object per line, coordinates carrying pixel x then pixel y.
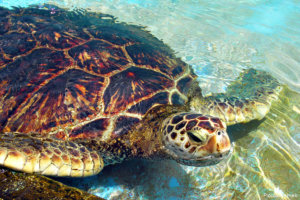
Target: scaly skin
{"type": "Point", "coordinates": [47, 155]}
{"type": "Point", "coordinates": [247, 98]}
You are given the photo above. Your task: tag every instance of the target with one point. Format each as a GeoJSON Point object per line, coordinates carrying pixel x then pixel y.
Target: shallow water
{"type": "Point", "coordinates": [220, 39]}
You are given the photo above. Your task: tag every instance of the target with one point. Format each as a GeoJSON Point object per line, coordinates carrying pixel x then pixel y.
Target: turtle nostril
{"type": "Point", "coordinates": [219, 133]}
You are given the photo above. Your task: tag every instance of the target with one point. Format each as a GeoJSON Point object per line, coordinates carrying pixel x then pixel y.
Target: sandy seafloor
{"type": "Point", "coordinates": [219, 39]}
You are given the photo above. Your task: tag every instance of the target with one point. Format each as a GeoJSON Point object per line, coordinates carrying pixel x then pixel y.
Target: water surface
{"type": "Point", "coordinates": [219, 39]}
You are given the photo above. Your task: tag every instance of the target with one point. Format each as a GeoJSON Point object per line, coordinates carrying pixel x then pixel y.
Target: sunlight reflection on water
{"type": "Point", "coordinates": [219, 39]}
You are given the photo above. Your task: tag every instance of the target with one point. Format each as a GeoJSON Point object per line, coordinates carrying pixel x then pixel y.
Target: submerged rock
{"type": "Point", "coordinates": [17, 185]}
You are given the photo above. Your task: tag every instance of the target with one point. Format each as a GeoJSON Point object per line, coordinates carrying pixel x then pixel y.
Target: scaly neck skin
{"type": "Point", "coordinates": [143, 141]}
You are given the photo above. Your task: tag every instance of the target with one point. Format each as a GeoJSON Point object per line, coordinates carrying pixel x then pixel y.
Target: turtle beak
{"type": "Point", "coordinates": [218, 146]}
{"type": "Point", "coordinates": [223, 145]}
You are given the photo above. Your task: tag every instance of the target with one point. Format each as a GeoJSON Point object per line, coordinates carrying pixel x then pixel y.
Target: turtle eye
{"type": "Point", "coordinates": [194, 137]}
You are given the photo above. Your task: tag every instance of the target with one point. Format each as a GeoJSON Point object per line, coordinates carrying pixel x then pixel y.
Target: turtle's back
{"type": "Point", "coordinates": [82, 74]}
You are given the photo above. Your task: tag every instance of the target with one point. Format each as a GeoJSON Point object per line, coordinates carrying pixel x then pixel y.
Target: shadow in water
{"type": "Point", "coordinates": [142, 177]}
{"type": "Point", "coordinates": [238, 131]}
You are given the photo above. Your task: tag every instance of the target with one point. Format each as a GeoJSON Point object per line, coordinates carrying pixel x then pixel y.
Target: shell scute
{"type": "Point", "coordinates": [60, 36]}
{"type": "Point", "coordinates": [112, 33]}
{"type": "Point", "coordinates": [14, 44]}
{"type": "Point", "coordinates": [122, 33]}
{"type": "Point", "coordinates": [132, 85]}
{"type": "Point", "coordinates": [98, 57]}
{"type": "Point", "coordinates": [91, 130]}
{"type": "Point", "coordinates": [25, 23]}
{"type": "Point", "coordinates": [4, 23]}
{"type": "Point", "coordinates": [142, 107]}
{"type": "Point", "coordinates": [23, 77]}
{"type": "Point", "coordinates": [156, 59]}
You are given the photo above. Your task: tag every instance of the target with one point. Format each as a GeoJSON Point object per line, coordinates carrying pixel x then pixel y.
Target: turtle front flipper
{"type": "Point", "coordinates": [247, 98]}
{"type": "Point", "coordinates": [48, 156]}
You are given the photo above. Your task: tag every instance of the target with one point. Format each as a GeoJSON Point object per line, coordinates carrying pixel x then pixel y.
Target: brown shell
{"type": "Point", "coordinates": [82, 75]}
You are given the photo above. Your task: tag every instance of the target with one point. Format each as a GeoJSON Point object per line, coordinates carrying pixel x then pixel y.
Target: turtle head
{"type": "Point", "coordinates": [195, 139]}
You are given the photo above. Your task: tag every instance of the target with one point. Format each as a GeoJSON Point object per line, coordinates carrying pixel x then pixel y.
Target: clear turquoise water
{"type": "Point", "coordinates": [220, 39]}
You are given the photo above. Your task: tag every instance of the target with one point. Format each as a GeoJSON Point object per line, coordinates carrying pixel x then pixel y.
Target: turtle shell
{"type": "Point", "coordinates": [82, 75]}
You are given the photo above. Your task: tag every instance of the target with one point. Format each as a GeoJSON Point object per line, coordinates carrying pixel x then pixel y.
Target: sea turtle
{"type": "Point", "coordinates": [80, 90]}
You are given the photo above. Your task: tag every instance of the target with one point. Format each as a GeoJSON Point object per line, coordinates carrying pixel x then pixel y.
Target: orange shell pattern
{"type": "Point", "coordinates": [78, 75]}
